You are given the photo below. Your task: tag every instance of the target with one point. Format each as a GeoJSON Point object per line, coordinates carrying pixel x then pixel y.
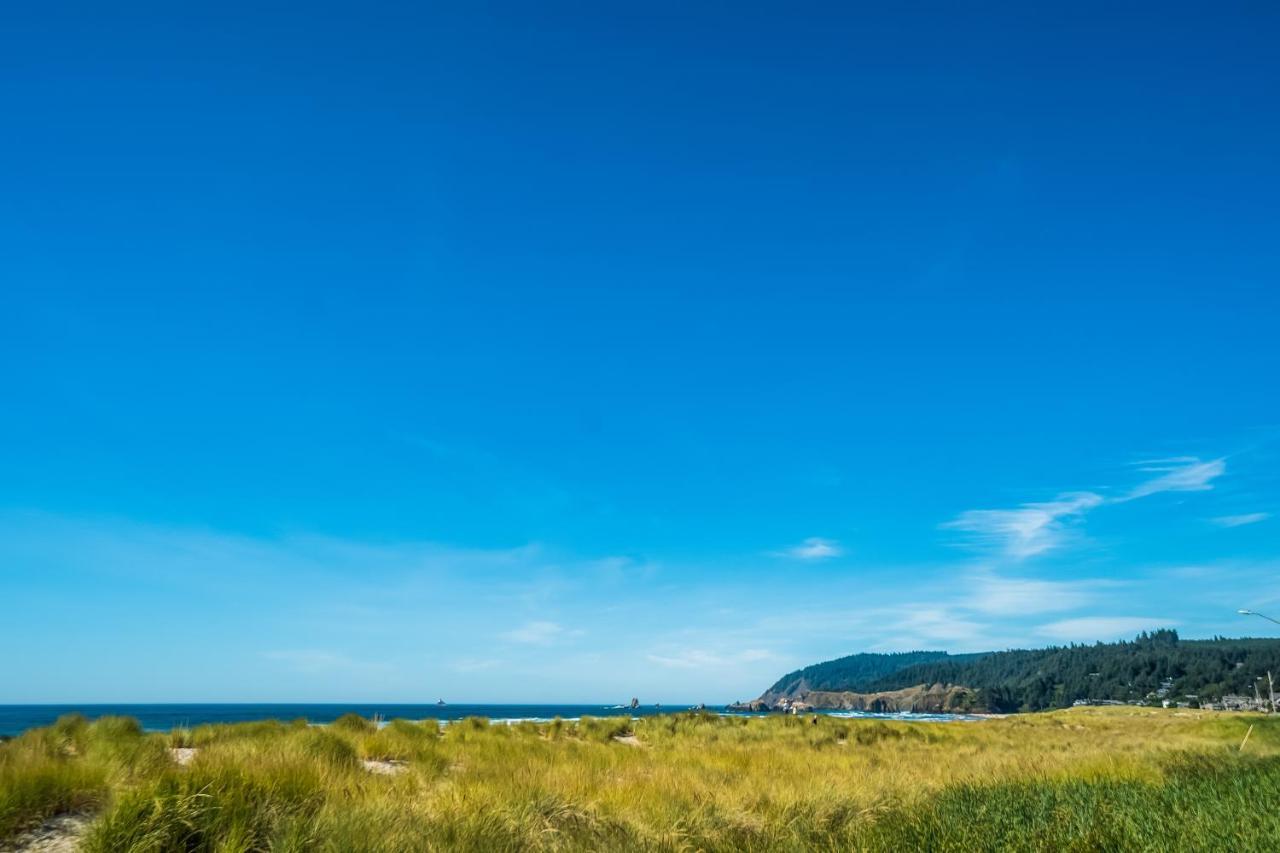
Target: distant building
{"type": "Point", "coordinates": [1232, 702]}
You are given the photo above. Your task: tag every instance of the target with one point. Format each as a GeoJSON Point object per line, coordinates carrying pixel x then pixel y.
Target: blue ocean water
{"type": "Point", "coordinates": [14, 719]}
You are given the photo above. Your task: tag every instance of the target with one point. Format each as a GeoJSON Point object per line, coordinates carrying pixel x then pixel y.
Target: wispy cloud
{"type": "Point", "coordinates": [1036, 528]}
{"type": "Point", "coordinates": [1178, 474]}
{"type": "Point", "coordinates": [537, 633]}
{"type": "Point", "coordinates": [382, 619]}
{"type": "Point", "coordinates": [1031, 529]}
{"type": "Point", "coordinates": [936, 625]}
{"type": "Point", "coordinates": [1006, 596]}
{"type": "Point", "coordinates": [1240, 520]}
{"type": "Point", "coordinates": [702, 659]}
{"type": "Point", "coordinates": [814, 548]}
{"type": "Point", "coordinates": [1092, 628]}
{"type": "Point", "coordinates": [939, 624]}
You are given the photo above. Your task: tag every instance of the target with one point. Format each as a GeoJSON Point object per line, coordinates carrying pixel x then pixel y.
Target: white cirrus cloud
{"type": "Point", "coordinates": [815, 548]}
{"type": "Point", "coordinates": [1089, 629]}
{"type": "Point", "coordinates": [1030, 529]}
{"type": "Point", "coordinates": [993, 594]}
{"type": "Point", "coordinates": [537, 633]}
{"type": "Point", "coordinates": [938, 624]}
{"type": "Point", "coordinates": [929, 625]}
{"type": "Point", "coordinates": [701, 658]}
{"type": "Point", "coordinates": [1240, 520]}
{"type": "Point", "coordinates": [1035, 528]}
{"type": "Point", "coordinates": [1178, 474]}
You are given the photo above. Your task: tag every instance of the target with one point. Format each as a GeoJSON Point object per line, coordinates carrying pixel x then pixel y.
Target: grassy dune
{"type": "Point", "coordinates": [1086, 779]}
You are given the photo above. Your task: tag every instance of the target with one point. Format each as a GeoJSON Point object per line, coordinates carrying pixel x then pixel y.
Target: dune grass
{"type": "Point", "coordinates": [1086, 779]}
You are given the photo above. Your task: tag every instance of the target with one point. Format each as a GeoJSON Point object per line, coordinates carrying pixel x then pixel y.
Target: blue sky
{"type": "Point", "coordinates": [565, 352]}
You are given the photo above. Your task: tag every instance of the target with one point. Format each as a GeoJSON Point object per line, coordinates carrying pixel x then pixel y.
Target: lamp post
{"type": "Point", "coordinates": [1259, 615]}
{"type": "Point", "coordinates": [1270, 686]}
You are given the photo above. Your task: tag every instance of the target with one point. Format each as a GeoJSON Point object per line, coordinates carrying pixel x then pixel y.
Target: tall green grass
{"type": "Point", "coordinates": [1091, 779]}
{"type": "Point", "coordinates": [71, 766]}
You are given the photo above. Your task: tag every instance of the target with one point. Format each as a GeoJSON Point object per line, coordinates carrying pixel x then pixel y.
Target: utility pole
{"type": "Point", "coordinates": [1271, 688]}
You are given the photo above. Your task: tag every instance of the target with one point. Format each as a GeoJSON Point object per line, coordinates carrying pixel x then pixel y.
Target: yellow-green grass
{"type": "Point", "coordinates": [1086, 779]}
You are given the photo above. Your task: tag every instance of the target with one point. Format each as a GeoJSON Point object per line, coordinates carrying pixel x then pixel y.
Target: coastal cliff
{"type": "Point", "coordinates": [922, 698]}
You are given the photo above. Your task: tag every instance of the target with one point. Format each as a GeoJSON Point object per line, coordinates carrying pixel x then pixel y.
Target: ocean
{"type": "Point", "coordinates": [14, 719]}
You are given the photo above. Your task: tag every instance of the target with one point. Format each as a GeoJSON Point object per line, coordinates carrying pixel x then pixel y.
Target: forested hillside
{"type": "Point", "coordinates": [1157, 663]}
{"type": "Point", "coordinates": [855, 672]}
{"type": "Point", "coordinates": [1152, 667]}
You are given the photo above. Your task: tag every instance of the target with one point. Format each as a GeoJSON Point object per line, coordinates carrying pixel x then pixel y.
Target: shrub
{"type": "Point", "coordinates": [353, 723]}
{"type": "Point", "coordinates": [37, 783]}
{"type": "Point", "coordinates": [328, 748]}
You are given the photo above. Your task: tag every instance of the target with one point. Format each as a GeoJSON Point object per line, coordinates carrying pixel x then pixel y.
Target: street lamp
{"type": "Point", "coordinates": [1259, 615]}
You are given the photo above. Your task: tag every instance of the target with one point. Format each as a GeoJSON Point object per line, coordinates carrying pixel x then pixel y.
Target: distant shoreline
{"type": "Point", "coordinates": [159, 717]}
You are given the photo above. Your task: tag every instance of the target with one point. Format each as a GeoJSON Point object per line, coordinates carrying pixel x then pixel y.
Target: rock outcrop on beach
{"type": "Point", "coordinates": [921, 699]}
